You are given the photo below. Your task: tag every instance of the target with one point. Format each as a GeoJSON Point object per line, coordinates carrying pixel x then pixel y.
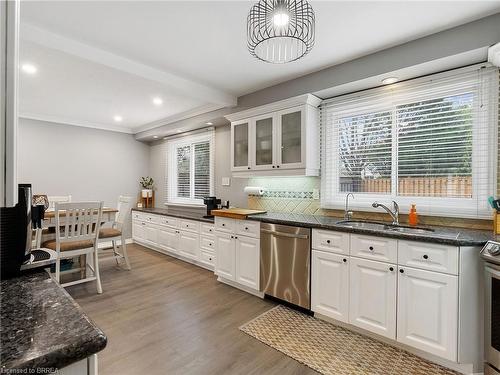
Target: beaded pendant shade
{"type": "Point", "coordinates": [280, 31]}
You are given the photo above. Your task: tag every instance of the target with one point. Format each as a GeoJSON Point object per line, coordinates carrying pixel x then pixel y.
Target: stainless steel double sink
{"type": "Point", "coordinates": [376, 225]}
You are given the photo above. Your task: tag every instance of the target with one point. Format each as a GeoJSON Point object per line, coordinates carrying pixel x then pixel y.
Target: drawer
{"type": "Point", "coordinates": [428, 256]}
{"type": "Point", "coordinates": [224, 224]}
{"type": "Point", "coordinates": [190, 225]}
{"type": "Point", "coordinates": [138, 216]}
{"type": "Point", "coordinates": [207, 228]}
{"type": "Point", "coordinates": [248, 228]}
{"type": "Point", "coordinates": [333, 242]}
{"type": "Point", "coordinates": [376, 248]}
{"type": "Point", "coordinates": [169, 221]}
{"type": "Point", "coordinates": [151, 218]}
{"type": "Point", "coordinates": [207, 257]}
{"type": "Point", "coordinates": [207, 243]}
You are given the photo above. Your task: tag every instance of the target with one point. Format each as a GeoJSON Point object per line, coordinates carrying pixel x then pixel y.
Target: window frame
{"type": "Point", "coordinates": [172, 177]}
{"type": "Point", "coordinates": [474, 207]}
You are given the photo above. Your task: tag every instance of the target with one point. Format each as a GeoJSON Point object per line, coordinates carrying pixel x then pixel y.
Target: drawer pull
{"type": "Point", "coordinates": [391, 269]}
{"type": "Point", "coordinates": [210, 230]}
{"type": "Point", "coordinates": [210, 244]}
{"type": "Point", "coordinates": [426, 256]}
{"type": "Point", "coordinates": [344, 260]}
{"type": "Point", "coordinates": [223, 224]}
{"type": "Point", "coordinates": [328, 241]}
{"type": "Point", "coordinates": [246, 228]}
{"type": "Point", "coordinates": [232, 236]}
{"type": "Point", "coordinates": [402, 270]}
{"type": "Point", "coordinates": [371, 248]}
{"type": "Point", "coordinates": [235, 237]}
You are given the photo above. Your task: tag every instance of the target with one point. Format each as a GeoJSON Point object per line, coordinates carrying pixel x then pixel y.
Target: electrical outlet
{"type": "Point", "coordinates": [226, 181]}
{"type": "Point", "coordinates": [315, 193]}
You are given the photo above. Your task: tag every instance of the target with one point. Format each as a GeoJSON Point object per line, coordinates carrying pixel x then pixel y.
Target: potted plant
{"type": "Point", "coordinates": [147, 187]}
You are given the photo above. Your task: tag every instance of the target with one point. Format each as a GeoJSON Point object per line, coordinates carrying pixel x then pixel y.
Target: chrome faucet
{"type": "Point", "coordinates": [348, 213]}
{"type": "Point", "coordinates": [394, 214]}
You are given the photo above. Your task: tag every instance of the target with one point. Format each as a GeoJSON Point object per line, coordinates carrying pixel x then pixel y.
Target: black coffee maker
{"type": "Point", "coordinates": [15, 233]}
{"type": "Point", "coordinates": [212, 203]}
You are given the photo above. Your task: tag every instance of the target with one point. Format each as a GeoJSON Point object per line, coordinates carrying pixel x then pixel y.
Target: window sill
{"type": "Point", "coordinates": [184, 205]}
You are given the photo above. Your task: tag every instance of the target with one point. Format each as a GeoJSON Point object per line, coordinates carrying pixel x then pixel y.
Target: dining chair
{"type": "Point", "coordinates": [116, 231]}
{"type": "Point", "coordinates": [58, 199]}
{"type": "Point", "coordinates": [77, 229]}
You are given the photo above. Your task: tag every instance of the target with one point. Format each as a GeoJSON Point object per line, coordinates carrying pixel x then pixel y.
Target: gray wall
{"type": "Point", "coordinates": [88, 164]}
{"type": "Point", "coordinates": [471, 36]}
{"type": "Point", "coordinates": [233, 193]}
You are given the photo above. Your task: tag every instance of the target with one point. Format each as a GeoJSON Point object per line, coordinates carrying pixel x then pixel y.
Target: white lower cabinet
{"type": "Point", "coordinates": [330, 285]}
{"type": "Point", "coordinates": [168, 239]}
{"type": "Point", "coordinates": [138, 233]}
{"type": "Point", "coordinates": [237, 257]}
{"type": "Point", "coordinates": [372, 294]}
{"type": "Point", "coordinates": [427, 311]}
{"type": "Point", "coordinates": [151, 234]}
{"type": "Point", "coordinates": [225, 259]}
{"type": "Point", "coordinates": [248, 261]}
{"type": "Point", "coordinates": [189, 244]}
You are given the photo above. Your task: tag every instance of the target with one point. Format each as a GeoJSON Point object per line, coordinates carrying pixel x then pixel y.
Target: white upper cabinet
{"type": "Point", "coordinates": [281, 138]}
{"type": "Point", "coordinates": [240, 140]}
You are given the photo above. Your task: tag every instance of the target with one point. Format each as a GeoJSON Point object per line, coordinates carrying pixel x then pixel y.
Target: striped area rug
{"type": "Point", "coordinates": [330, 349]}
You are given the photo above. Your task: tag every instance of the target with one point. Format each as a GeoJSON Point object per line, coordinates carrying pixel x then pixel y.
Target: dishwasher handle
{"type": "Point", "coordinates": [283, 234]}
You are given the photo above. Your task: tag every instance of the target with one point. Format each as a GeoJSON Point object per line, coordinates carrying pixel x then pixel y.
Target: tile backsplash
{"type": "Point", "coordinates": [296, 195]}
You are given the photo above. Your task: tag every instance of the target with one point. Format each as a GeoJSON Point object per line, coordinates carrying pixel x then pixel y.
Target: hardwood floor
{"type": "Point", "coordinates": [166, 316]}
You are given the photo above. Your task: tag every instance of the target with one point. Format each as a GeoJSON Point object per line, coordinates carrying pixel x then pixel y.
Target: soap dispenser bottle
{"type": "Point", "coordinates": [413, 216]}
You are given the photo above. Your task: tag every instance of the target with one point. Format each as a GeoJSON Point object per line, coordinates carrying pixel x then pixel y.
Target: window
{"type": "Point", "coordinates": [426, 141]}
{"type": "Point", "coordinates": [190, 168]}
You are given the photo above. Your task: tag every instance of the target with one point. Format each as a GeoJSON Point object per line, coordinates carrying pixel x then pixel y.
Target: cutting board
{"type": "Point", "coordinates": [236, 213]}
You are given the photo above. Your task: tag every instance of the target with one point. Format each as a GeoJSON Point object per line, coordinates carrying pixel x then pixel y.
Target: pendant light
{"type": "Point", "coordinates": [280, 31]}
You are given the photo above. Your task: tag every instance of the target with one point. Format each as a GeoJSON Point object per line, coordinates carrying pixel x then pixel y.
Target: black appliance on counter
{"type": "Point", "coordinates": [15, 233]}
{"type": "Point", "coordinates": [212, 203]}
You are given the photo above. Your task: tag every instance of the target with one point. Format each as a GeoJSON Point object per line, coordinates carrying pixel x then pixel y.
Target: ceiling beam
{"type": "Point", "coordinates": [180, 84]}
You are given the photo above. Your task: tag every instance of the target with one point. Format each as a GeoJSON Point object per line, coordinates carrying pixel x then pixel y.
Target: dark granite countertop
{"type": "Point", "coordinates": [444, 235]}
{"type": "Point", "coordinates": [42, 326]}
{"type": "Point", "coordinates": [180, 213]}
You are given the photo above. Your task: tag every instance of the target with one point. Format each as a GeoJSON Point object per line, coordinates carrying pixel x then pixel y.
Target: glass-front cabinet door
{"type": "Point", "coordinates": [264, 138]}
{"type": "Point", "coordinates": [240, 154]}
{"type": "Point", "coordinates": [291, 153]}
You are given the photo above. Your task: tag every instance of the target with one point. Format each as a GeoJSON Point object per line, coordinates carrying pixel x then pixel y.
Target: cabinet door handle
{"type": "Point", "coordinates": [371, 248]}
{"type": "Point", "coordinates": [223, 224]}
{"type": "Point", "coordinates": [232, 236]}
{"type": "Point", "coordinates": [236, 237]}
{"type": "Point", "coordinates": [391, 269]}
{"type": "Point", "coordinates": [328, 242]}
{"type": "Point", "coordinates": [274, 166]}
{"type": "Point", "coordinates": [426, 256]}
{"type": "Point", "coordinates": [277, 166]}
{"type": "Point", "coordinates": [246, 228]}
{"type": "Point", "coordinates": [248, 167]}
{"type": "Point", "coordinates": [402, 270]}
{"type": "Point", "coordinates": [344, 260]}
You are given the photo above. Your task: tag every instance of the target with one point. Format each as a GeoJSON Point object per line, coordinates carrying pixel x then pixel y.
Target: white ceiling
{"type": "Point", "coordinates": [202, 48]}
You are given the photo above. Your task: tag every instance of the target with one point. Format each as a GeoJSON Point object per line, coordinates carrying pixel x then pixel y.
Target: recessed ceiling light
{"type": "Point", "coordinates": [29, 68]}
{"type": "Point", "coordinates": [157, 101]}
{"type": "Point", "coordinates": [209, 123]}
{"type": "Point", "coordinates": [155, 136]}
{"type": "Point", "coordinates": [389, 80]}
{"type": "Point", "coordinates": [118, 118]}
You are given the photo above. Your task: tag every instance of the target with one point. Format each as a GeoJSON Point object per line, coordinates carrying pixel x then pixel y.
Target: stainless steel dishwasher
{"type": "Point", "coordinates": [285, 263]}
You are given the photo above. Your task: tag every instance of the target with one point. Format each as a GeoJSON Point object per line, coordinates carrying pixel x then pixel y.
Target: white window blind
{"type": "Point", "coordinates": [428, 141]}
{"type": "Point", "coordinates": [190, 171]}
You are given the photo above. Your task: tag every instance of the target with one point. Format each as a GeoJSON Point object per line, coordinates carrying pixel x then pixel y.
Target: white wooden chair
{"type": "Point", "coordinates": [49, 233]}
{"type": "Point", "coordinates": [116, 231]}
{"type": "Point", "coordinates": [76, 235]}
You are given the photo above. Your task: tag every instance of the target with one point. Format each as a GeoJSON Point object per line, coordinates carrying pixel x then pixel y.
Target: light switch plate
{"type": "Point", "coordinates": [226, 181]}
